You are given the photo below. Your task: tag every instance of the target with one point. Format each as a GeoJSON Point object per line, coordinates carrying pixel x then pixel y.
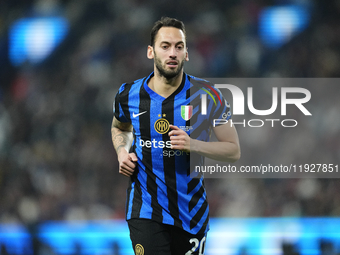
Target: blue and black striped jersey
{"type": "Point", "coordinates": [161, 187]}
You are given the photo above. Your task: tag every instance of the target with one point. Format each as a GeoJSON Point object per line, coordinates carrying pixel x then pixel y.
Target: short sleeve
{"type": "Point", "coordinates": [117, 109]}
{"type": "Point", "coordinates": [221, 109]}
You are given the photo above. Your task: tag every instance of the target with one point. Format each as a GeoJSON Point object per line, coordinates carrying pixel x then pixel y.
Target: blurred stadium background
{"type": "Point", "coordinates": [62, 62]}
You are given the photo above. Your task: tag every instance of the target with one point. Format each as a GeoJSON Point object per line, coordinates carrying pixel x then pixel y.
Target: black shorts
{"type": "Point", "coordinates": [153, 238]}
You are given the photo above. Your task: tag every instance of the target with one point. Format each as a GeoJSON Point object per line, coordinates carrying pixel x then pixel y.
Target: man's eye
{"type": "Point", "coordinates": [164, 47]}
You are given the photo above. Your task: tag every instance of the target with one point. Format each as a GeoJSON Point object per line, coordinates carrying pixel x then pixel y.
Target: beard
{"type": "Point", "coordinates": [168, 74]}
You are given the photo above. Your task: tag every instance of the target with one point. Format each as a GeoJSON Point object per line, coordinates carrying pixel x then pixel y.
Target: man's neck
{"type": "Point", "coordinates": [165, 87]}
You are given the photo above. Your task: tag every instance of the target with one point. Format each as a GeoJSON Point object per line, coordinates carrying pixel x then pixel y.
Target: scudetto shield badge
{"type": "Point", "coordinates": [186, 112]}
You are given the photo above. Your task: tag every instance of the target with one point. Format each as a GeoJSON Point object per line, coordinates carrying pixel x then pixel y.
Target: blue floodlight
{"type": "Point", "coordinates": [33, 39]}
{"type": "Point", "coordinates": [277, 25]}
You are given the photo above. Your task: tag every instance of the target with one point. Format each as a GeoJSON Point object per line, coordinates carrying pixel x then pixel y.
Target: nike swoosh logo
{"type": "Point", "coordinates": [136, 115]}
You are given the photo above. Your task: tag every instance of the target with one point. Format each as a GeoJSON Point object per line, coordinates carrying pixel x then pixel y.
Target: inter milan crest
{"type": "Point", "coordinates": [162, 126]}
{"type": "Point", "coordinates": [139, 249]}
{"type": "Point", "coordinates": [186, 112]}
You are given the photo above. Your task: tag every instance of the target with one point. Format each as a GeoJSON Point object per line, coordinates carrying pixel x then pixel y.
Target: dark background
{"type": "Point", "coordinates": [57, 161]}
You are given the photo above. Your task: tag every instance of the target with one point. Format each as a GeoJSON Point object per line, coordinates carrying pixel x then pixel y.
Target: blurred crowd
{"type": "Point", "coordinates": [57, 161]}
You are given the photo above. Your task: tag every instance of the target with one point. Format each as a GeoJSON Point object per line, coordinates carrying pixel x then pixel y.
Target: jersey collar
{"type": "Point", "coordinates": [158, 97]}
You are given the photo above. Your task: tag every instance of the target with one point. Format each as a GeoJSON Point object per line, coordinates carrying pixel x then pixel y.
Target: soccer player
{"type": "Point", "coordinates": [156, 132]}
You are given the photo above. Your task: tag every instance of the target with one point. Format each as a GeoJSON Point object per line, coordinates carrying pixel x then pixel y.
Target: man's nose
{"type": "Point", "coordinates": [173, 52]}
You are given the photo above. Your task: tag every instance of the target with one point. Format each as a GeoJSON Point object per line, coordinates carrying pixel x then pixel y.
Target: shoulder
{"type": "Point", "coordinates": [199, 82]}
{"type": "Point", "coordinates": [129, 89]}
{"type": "Point", "coordinates": [125, 87]}
{"type": "Point", "coordinates": [195, 79]}
{"type": "Point", "coordinates": [203, 85]}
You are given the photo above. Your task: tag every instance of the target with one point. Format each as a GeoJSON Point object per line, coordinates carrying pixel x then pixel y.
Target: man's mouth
{"type": "Point", "coordinates": [172, 63]}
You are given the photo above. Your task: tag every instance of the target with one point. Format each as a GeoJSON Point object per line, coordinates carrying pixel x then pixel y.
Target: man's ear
{"type": "Point", "coordinates": [150, 53]}
{"type": "Point", "coordinates": [187, 55]}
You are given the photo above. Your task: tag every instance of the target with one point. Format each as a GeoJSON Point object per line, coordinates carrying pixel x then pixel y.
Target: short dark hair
{"type": "Point", "coordinates": [166, 22]}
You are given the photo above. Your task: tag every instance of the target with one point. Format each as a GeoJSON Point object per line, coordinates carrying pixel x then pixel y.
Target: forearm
{"type": "Point", "coordinates": [121, 139]}
{"type": "Point", "coordinates": [221, 151]}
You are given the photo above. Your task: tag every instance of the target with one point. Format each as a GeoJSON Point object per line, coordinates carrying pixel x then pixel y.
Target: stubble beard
{"type": "Point", "coordinates": [168, 74]}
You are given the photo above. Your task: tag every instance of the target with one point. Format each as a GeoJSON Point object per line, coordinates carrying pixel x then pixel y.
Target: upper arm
{"type": "Point", "coordinates": [123, 126]}
{"type": "Point", "coordinates": [227, 133]}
